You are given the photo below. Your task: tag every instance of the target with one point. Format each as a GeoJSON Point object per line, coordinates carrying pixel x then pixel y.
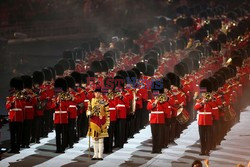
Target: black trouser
{"type": "Point", "coordinates": [166, 132]}
{"type": "Point", "coordinates": [156, 130]}
{"type": "Point", "coordinates": [190, 106]}
{"type": "Point", "coordinates": [145, 113]}
{"type": "Point", "coordinates": [61, 137]}
{"type": "Point", "coordinates": [108, 141]}
{"type": "Point", "coordinates": [138, 119]}
{"type": "Point", "coordinates": [205, 138]}
{"type": "Point", "coordinates": [45, 123]}
{"type": "Point", "coordinates": [172, 129]}
{"type": "Point", "coordinates": [121, 132]}
{"type": "Point", "coordinates": [71, 131]}
{"type": "Point", "coordinates": [131, 125]}
{"type": "Point", "coordinates": [36, 130]}
{"type": "Point", "coordinates": [15, 135]}
{"type": "Point", "coordinates": [51, 121]}
{"type": "Point", "coordinates": [27, 124]}
{"type": "Point", "coordinates": [216, 129]}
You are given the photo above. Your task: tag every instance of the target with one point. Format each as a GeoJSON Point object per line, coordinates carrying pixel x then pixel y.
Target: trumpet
{"type": "Point", "coordinates": [208, 97]}
{"type": "Point", "coordinates": [65, 96]}
{"type": "Point", "coordinates": [110, 95]}
{"type": "Point", "coordinates": [162, 98]}
{"type": "Point", "coordinates": [20, 95]}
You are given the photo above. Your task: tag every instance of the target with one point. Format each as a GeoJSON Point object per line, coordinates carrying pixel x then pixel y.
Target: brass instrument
{"type": "Point", "coordinates": [19, 95]}
{"type": "Point", "coordinates": [65, 96]}
{"type": "Point", "coordinates": [162, 98]}
{"type": "Point", "coordinates": [208, 97]}
{"type": "Point", "coordinates": [110, 95]}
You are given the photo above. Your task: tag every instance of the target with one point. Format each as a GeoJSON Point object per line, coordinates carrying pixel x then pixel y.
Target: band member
{"type": "Point", "coordinates": [49, 93]}
{"type": "Point", "coordinates": [72, 110]}
{"type": "Point", "coordinates": [205, 120]}
{"type": "Point", "coordinates": [29, 109]}
{"type": "Point", "coordinates": [40, 91]}
{"type": "Point", "coordinates": [80, 100]}
{"type": "Point", "coordinates": [110, 97]}
{"type": "Point", "coordinates": [121, 109]}
{"type": "Point", "coordinates": [15, 105]}
{"type": "Point", "coordinates": [99, 122]}
{"type": "Point", "coordinates": [159, 110]}
{"type": "Point", "coordinates": [61, 114]}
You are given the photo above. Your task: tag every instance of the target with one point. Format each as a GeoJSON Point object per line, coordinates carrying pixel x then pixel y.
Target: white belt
{"type": "Point", "coordinates": [157, 112]}
{"type": "Point", "coordinates": [16, 109]}
{"type": "Point", "coordinates": [28, 107]}
{"type": "Point", "coordinates": [72, 106]}
{"type": "Point", "coordinates": [215, 108]}
{"type": "Point", "coordinates": [120, 105]}
{"type": "Point", "coordinates": [86, 100]}
{"type": "Point", "coordinates": [111, 108]}
{"type": "Point", "coordinates": [60, 112]}
{"type": "Point", "coordinates": [204, 113]}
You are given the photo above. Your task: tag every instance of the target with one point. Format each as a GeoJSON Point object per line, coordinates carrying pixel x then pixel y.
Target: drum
{"type": "Point", "coordinates": [182, 116]}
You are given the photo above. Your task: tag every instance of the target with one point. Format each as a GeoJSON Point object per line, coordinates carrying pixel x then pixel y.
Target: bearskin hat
{"type": "Point", "coordinates": [105, 67]}
{"type": "Point", "coordinates": [153, 62]}
{"type": "Point", "coordinates": [61, 84]}
{"type": "Point", "coordinates": [77, 77]}
{"type": "Point", "coordinates": [179, 70]}
{"type": "Point", "coordinates": [205, 83]}
{"type": "Point", "coordinates": [172, 78]}
{"type": "Point", "coordinates": [166, 83]}
{"type": "Point", "coordinates": [84, 78]}
{"type": "Point", "coordinates": [72, 64]}
{"type": "Point", "coordinates": [96, 66]}
{"type": "Point", "coordinates": [220, 79]}
{"type": "Point", "coordinates": [59, 69]}
{"type": "Point", "coordinates": [141, 66]}
{"type": "Point", "coordinates": [110, 61]}
{"type": "Point", "coordinates": [214, 82]}
{"type": "Point", "coordinates": [189, 63]}
{"type": "Point", "coordinates": [47, 74]}
{"type": "Point", "coordinates": [38, 77]}
{"type": "Point", "coordinates": [16, 83]}
{"type": "Point", "coordinates": [64, 63]}
{"type": "Point", "coordinates": [53, 72]}
{"type": "Point", "coordinates": [150, 70]}
{"type": "Point", "coordinates": [27, 81]}
{"type": "Point", "coordinates": [70, 81]}
{"type": "Point", "coordinates": [119, 81]}
{"type": "Point", "coordinates": [122, 73]}
{"type": "Point", "coordinates": [137, 72]}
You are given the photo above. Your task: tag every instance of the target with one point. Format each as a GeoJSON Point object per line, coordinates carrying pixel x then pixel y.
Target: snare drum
{"type": "Point", "coordinates": [182, 116]}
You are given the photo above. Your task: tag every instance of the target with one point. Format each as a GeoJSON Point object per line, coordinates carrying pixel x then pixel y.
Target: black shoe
{"type": "Point", "coordinates": [100, 159]}
{"type": "Point", "coordinates": [70, 146]}
{"type": "Point", "coordinates": [38, 142]}
{"type": "Point", "coordinates": [94, 158]}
